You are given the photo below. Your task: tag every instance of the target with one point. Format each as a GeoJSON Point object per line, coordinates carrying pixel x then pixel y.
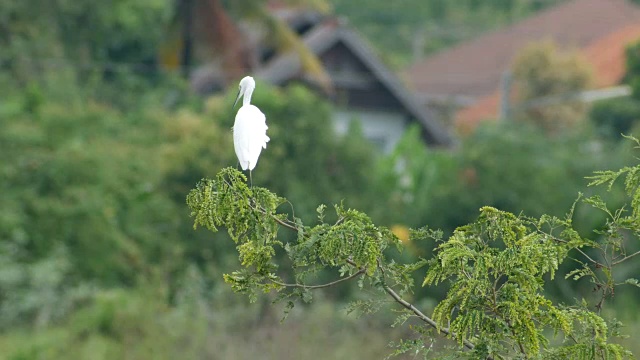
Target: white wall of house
{"type": "Point", "coordinates": [384, 129]}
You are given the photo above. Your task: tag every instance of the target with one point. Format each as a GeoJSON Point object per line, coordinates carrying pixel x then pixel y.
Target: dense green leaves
{"type": "Point", "coordinates": [71, 183]}
{"type": "Point", "coordinates": [496, 267]}
{"type": "Point", "coordinates": [352, 245]}
{"type": "Point", "coordinates": [618, 116]}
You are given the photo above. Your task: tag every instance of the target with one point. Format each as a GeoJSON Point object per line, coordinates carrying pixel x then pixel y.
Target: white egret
{"type": "Point", "coordinates": [249, 129]}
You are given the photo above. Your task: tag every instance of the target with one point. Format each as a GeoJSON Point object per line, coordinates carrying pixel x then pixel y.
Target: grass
{"type": "Point", "coordinates": [136, 325]}
{"type": "Point", "coordinates": [123, 326]}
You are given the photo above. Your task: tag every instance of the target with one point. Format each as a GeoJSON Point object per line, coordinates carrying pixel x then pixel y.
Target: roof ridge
{"type": "Point", "coordinates": [326, 35]}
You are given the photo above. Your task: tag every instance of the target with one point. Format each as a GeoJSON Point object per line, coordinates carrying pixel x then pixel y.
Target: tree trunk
{"type": "Point", "coordinates": [228, 42]}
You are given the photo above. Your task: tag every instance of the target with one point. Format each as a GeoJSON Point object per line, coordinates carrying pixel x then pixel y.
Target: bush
{"type": "Point", "coordinates": [616, 116]}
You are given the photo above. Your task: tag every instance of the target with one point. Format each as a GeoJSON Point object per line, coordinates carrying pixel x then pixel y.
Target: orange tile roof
{"type": "Point", "coordinates": [605, 54]}
{"type": "Point", "coordinates": [473, 68]}
{"type": "Point", "coordinates": [485, 109]}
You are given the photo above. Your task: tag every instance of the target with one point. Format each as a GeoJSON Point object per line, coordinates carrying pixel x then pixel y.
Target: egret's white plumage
{"type": "Point", "coordinates": [250, 128]}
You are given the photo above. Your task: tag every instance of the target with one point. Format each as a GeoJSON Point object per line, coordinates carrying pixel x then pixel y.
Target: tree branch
{"type": "Point", "coordinates": [469, 345]}
{"type": "Point", "coordinates": [594, 262]}
{"type": "Point", "coordinates": [279, 221]}
{"type": "Point", "coordinates": [625, 258]}
{"type": "Point", "coordinates": [422, 316]}
{"type": "Point", "coordinates": [513, 331]}
{"type": "Point", "coordinates": [356, 274]}
{"type": "Point", "coordinates": [407, 305]}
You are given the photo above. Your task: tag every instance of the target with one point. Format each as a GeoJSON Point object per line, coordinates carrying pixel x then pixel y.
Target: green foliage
{"type": "Point", "coordinates": [37, 40]}
{"type": "Point", "coordinates": [352, 245]}
{"type": "Point", "coordinates": [201, 323]}
{"type": "Point", "coordinates": [620, 115]}
{"type": "Point", "coordinates": [509, 166]}
{"type": "Point", "coordinates": [616, 116]}
{"type": "Point", "coordinates": [107, 327]}
{"type": "Point", "coordinates": [632, 77]}
{"type": "Point", "coordinates": [37, 293]}
{"type": "Point", "coordinates": [496, 268]}
{"type": "Point", "coordinates": [541, 70]}
{"type": "Point", "coordinates": [74, 178]}
{"type": "Point", "coordinates": [504, 165]}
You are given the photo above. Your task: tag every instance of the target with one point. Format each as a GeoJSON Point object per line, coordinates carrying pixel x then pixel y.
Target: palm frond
{"type": "Point", "coordinates": [287, 40]}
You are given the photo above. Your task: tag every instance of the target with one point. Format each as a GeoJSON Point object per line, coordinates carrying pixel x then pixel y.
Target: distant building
{"type": "Point", "coordinates": [467, 76]}
{"type": "Point", "coordinates": [364, 89]}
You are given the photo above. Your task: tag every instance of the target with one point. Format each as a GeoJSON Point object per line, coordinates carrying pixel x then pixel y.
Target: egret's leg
{"type": "Point", "coordinates": [250, 179]}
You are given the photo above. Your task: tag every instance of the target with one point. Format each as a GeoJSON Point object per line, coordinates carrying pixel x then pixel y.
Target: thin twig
{"type": "Point", "coordinates": [424, 317]}
{"type": "Point", "coordinates": [407, 305]}
{"type": "Point", "coordinates": [626, 258]}
{"type": "Point", "coordinates": [386, 288]}
{"type": "Point", "coordinates": [356, 274]}
{"type": "Point", "coordinates": [513, 331]}
{"type": "Point", "coordinates": [274, 217]}
{"type": "Point", "coordinates": [594, 262]}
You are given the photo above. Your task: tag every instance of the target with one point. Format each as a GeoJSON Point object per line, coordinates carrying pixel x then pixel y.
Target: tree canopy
{"type": "Point", "coordinates": [496, 267]}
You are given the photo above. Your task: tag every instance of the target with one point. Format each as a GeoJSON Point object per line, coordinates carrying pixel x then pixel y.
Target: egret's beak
{"type": "Point", "coordinates": [238, 98]}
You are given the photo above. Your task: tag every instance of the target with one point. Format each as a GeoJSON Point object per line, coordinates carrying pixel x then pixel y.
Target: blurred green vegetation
{"type": "Point", "coordinates": [620, 115]}
{"type": "Point", "coordinates": [98, 149]}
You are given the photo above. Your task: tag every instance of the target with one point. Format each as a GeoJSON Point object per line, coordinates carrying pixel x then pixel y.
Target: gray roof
{"type": "Point", "coordinates": [324, 36]}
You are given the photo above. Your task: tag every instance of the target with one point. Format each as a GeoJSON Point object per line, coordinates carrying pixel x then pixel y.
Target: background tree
{"type": "Point", "coordinates": [66, 36]}
{"type": "Point", "coordinates": [618, 116]}
{"type": "Point", "coordinates": [227, 29]}
{"type": "Point", "coordinates": [632, 76]}
{"type": "Point", "coordinates": [541, 71]}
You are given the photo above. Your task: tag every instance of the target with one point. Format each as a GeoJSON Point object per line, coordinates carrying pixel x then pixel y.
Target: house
{"type": "Point", "coordinates": [364, 89]}
{"type": "Point", "coordinates": [468, 75]}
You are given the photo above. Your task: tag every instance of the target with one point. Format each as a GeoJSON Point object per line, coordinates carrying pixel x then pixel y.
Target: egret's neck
{"type": "Point", "coordinates": [246, 99]}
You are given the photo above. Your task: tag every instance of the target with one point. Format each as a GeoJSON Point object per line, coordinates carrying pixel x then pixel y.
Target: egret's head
{"type": "Point", "coordinates": [247, 84]}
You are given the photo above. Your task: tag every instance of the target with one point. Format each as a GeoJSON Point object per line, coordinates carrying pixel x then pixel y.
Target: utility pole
{"type": "Point", "coordinates": [187, 36]}
{"type": "Point", "coordinates": [505, 95]}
